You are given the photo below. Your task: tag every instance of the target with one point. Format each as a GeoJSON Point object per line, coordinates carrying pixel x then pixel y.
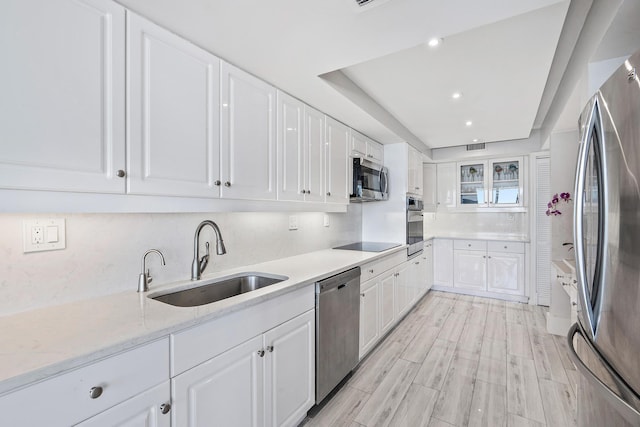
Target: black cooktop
{"type": "Point", "coordinates": [369, 246]}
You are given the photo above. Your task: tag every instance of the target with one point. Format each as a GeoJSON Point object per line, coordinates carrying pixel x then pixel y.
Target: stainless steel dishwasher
{"type": "Point", "coordinates": [337, 329]}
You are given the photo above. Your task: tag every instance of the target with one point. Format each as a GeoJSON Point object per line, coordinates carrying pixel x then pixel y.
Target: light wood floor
{"type": "Point", "coordinates": [457, 360]}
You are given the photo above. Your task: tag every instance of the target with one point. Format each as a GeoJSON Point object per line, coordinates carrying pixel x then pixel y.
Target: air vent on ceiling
{"type": "Point", "coordinates": [479, 146]}
{"type": "Point", "coordinates": [362, 3]}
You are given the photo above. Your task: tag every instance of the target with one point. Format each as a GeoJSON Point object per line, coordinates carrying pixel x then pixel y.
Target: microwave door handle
{"type": "Point", "coordinates": [383, 181]}
{"type": "Point", "coordinates": [621, 406]}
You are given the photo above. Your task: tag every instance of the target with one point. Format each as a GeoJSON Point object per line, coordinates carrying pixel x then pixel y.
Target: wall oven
{"type": "Point", "coordinates": [415, 233]}
{"type": "Point", "coordinates": [370, 181]}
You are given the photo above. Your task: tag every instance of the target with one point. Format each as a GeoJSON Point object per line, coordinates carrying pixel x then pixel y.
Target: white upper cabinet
{"type": "Point", "coordinates": [63, 95]}
{"type": "Point", "coordinates": [414, 162]}
{"type": "Point", "coordinates": [361, 146]}
{"type": "Point", "coordinates": [492, 183]}
{"type": "Point", "coordinates": [446, 184]}
{"type": "Point", "coordinates": [429, 187]}
{"type": "Point", "coordinates": [336, 162]}
{"type": "Point", "coordinates": [300, 151]}
{"type": "Point", "coordinates": [248, 136]}
{"type": "Point", "coordinates": [173, 114]}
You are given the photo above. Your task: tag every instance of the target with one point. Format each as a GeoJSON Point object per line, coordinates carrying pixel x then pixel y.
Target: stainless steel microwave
{"type": "Point", "coordinates": [370, 181]}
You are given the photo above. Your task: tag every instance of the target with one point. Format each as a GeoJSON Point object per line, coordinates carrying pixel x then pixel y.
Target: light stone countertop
{"type": "Point", "coordinates": [505, 237]}
{"type": "Point", "coordinates": [47, 341]}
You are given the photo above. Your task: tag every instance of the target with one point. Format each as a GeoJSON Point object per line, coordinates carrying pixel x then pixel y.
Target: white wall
{"type": "Point", "coordinates": [564, 155]}
{"type": "Point", "coordinates": [104, 251]}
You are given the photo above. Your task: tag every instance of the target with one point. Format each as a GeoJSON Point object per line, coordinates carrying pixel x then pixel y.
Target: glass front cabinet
{"type": "Point", "coordinates": [491, 183]}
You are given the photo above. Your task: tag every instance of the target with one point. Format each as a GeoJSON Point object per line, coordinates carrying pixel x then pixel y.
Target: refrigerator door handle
{"type": "Point", "coordinates": [625, 409]}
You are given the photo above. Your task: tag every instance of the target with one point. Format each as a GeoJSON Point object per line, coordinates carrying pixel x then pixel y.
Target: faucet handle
{"type": "Point", "coordinates": [149, 278]}
{"type": "Point", "coordinates": [205, 258]}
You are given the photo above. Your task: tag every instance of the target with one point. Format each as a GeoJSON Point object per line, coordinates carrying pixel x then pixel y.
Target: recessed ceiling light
{"type": "Point", "coordinates": [434, 42]}
{"type": "Point", "coordinates": [456, 95]}
{"type": "Point", "coordinates": [468, 123]}
{"type": "Point", "coordinates": [475, 140]}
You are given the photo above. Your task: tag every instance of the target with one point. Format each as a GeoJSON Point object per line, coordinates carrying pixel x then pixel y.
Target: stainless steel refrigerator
{"type": "Point", "coordinates": [605, 343]}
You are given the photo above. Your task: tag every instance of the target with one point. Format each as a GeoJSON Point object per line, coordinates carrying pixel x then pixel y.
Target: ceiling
{"type": "Point", "coordinates": [497, 52]}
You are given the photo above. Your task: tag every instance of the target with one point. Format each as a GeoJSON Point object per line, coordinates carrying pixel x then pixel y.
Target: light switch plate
{"type": "Point", "coordinates": [325, 220]}
{"type": "Point", "coordinates": [43, 235]}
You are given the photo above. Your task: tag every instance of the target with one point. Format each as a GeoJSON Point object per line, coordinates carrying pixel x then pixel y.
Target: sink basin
{"type": "Point", "coordinates": [219, 289]}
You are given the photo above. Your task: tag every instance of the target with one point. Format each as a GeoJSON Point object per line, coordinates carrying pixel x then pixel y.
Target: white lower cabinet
{"type": "Point", "coordinates": [130, 386]}
{"type": "Point", "coordinates": [265, 381]}
{"type": "Point", "coordinates": [369, 315]}
{"type": "Point", "coordinates": [387, 302]}
{"type": "Point", "coordinates": [443, 262]}
{"type": "Point", "coordinates": [143, 410]}
{"type": "Point", "coordinates": [403, 290]}
{"type": "Point", "coordinates": [427, 256]}
{"type": "Point", "coordinates": [491, 268]}
{"type": "Point", "coordinates": [470, 269]}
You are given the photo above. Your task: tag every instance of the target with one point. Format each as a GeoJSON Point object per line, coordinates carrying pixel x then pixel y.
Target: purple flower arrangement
{"type": "Point", "coordinates": [552, 206]}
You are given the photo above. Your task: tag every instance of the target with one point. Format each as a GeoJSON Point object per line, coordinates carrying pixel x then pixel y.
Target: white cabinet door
{"type": "Point", "coordinates": [414, 178]}
{"type": "Point", "coordinates": [290, 371]}
{"type": "Point", "coordinates": [446, 182]}
{"type": "Point", "coordinates": [314, 155]}
{"type": "Point", "coordinates": [443, 262]}
{"type": "Point", "coordinates": [361, 146]}
{"type": "Point", "coordinates": [505, 273]}
{"type": "Point", "coordinates": [387, 302]}
{"type": "Point", "coordinates": [403, 292]}
{"type": "Point", "coordinates": [148, 409]}
{"type": "Point", "coordinates": [369, 315]}
{"type": "Point", "coordinates": [375, 152]}
{"type": "Point", "coordinates": [227, 390]}
{"type": "Point", "coordinates": [63, 95]}
{"type": "Point", "coordinates": [472, 184]}
{"type": "Point", "coordinates": [336, 162]}
{"type": "Point", "coordinates": [427, 256]}
{"type": "Point", "coordinates": [248, 136]}
{"type": "Point", "coordinates": [506, 182]}
{"type": "Point", "coordinates": [291, 162]}
{"type": "Point", "coordinates": [470, 270]}
{"type": "Point", "coordinates": [429, 187]}
{"type": "Point", "coordinates": [173, 114]}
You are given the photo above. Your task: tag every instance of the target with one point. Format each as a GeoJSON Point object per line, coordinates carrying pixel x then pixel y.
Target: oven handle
{"type": "Point", "coordinates": [621, 406]}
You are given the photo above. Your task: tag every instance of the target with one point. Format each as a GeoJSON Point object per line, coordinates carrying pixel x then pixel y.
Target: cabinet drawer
{"type": "Point", "coordinates": [374, 268]}
{"type": "Point", "coordinates": [512, 247]}
{"type": "Point", "coordinates": [65, 399]}
{"type": "Point", "coordinates": [470, 245]}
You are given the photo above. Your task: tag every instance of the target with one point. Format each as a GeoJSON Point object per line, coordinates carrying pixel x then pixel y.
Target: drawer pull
{"type": "Point", "coordinates": [95, 392]}
{"type": "Point", "coordinates": [165, 408]}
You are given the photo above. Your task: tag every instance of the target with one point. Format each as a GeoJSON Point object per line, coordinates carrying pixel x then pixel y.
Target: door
{"type": "Point", "coordinates": [336, 162]}
{"type": "Point", "coordinates": [314, 155]}
{"type": "Point", "coordinates": [174, 114]}
{"type": "Point", "coordinates": [470, 270]}
{"type": "Point", "coordinates": [148, 409]}
{"type": "Point", "coordinates": [290, 148]}
{"type": "Point", "coordinates": [505, 273]}
{"type": "Point", "coordinates": [506, 182]}
{"type": "Point", "coordinates": [369, 309]}
{"type": "Point", "coordinates": [224, 391]}
{"type": "Point", "coordinates": [248, 136]}
{"type": "Point", "coordinates": [290, 371]}
{"type": "Point", "coordinates": [443, 262]}
{"type": "Point", "coordinates": [63, 95]}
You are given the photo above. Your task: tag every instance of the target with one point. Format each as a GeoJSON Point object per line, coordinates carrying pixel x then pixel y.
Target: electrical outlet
{"type": "Point", "coordinates": [293, 222]}
{"type": "Point", "coordinates": [325, 220]}
{"type": "Point", "coordinates": [43, 235]}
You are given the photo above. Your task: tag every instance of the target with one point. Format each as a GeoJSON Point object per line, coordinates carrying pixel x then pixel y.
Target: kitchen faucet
{"type": "Point", "coordinates": [145, 277]}
{"type": "Point", "coordinates": [199, 264]}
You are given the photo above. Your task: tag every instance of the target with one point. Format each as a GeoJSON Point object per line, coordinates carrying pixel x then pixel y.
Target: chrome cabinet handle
{"type": "Point", "coordinates": [95, 392]}
{"type": "Point", "coordinates": [217, 183]}
{"type": "Point", "coordinates": [227, 184]}
{"type": "Point", "coordinates": [270, 349]}
{"type": "Point", "coordinates": [121, 173]}
{"type": "Point", "coordinates": [261, 353]}
{"type": "Point", "coordinates": [165, 408]}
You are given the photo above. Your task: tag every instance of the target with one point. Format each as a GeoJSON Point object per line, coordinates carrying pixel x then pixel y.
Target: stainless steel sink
{"type": "Point", "coordinates": [219, 289]}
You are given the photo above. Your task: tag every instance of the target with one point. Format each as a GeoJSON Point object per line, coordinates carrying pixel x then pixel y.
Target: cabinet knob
{"type": "Point", "coordinates": [484, 256]}
{"type": "Point", "coordinates": [573, 303]}
{"type": "Point", "coordinates": [371, 270]}
{"type": "Point", "coordinates": [217, 182]}
{"type": "Point", "coordinates": [95, 392]}
{"type": "Point", "coordinates": [417, 188]}
{"type": "Point", "coordinates": [505, 247]}
{"type": "Point", "coordinates": [362, 295]}
{"type": "Point", "coordinates": [417, 262]}
{"type": "Point", "coordinates": [469, 244]}
{"type": "Point", "coordinates": [120, 173]}
{"type": "Point", "coordinates": [489, 256]}
{"type": "Point", "coordinates": [227, 184]}
{"type": "Point", "coordinates": [328, 193]}
{"type": "Point", "coordinates": [303, 191]}
{"type": "Point", "coordinates": [308, 191]}
{"type": "Point", "coordinates": [165, 408]}
{"type": "Point", "coordinates": [261, 353]}
{"type": "Point", "coordinates": [270, 349]}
